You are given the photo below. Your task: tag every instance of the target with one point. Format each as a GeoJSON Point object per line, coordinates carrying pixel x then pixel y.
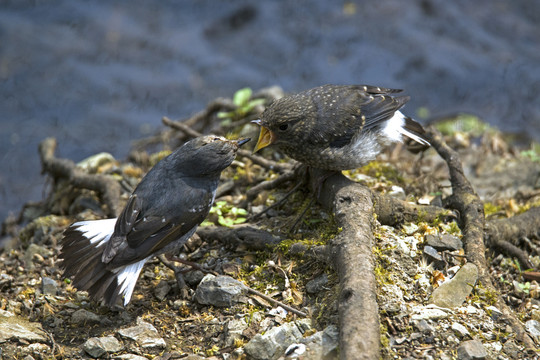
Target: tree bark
{"type": "Point", "coordinates": [352, 257]}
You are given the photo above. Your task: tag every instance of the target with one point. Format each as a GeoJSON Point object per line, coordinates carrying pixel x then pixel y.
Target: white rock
{"type": "Point", "coordinates": [460, 330]}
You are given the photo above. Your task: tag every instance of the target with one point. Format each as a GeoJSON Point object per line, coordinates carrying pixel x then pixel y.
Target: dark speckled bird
{"type": "Point", "coordinates": [105, 257]}
{"type": "Point", "coordinates": [337, 127]}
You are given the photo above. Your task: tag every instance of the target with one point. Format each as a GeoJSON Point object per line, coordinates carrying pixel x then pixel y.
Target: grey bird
{"type": "Point", "coordinates": [105, 257]}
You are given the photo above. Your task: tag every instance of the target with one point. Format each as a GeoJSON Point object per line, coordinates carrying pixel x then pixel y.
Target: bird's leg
{"type": "Point", "coordinates": [281, 201]}
{"type": "Point", "coordinates": [193, 265]}
{"type": "Point", "coordinates": [292, 230]}
{"type": "Point", "coordinates": [317, 177]}
{"type": "Point", "coordinates": [178, 274]}
{"type": "Point", "coordinates": [169, 260]}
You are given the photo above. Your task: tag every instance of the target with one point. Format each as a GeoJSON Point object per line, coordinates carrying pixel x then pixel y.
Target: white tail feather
{"type": "Point", "coordinates": [98, 232]}
{"type": "Point", "coordinates": [127, 278]}
{"type": "Point", "coordinates": [395, 129]}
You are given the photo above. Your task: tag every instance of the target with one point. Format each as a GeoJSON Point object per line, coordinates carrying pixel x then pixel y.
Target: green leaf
{"type": "Point", "coordinates": [224, 115]}
{"type": "Point", "coordinates": [242, 96]}
{"type": "Point", "coordinates": [227, 222]}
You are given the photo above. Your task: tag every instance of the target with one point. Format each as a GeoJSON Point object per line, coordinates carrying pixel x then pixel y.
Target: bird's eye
{"type": "Point", "coordinates": [283, 127]}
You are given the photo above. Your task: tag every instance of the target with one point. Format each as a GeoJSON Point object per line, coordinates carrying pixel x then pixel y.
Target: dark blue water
{"type": "Point", "coordinates": [99, 74]}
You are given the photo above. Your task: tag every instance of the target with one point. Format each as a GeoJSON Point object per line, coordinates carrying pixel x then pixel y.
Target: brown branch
{"type": "Point", "coordinates": [278, 303]}
{"type": "Point", "coordinates": [503, 234]}
{"type": "Point", "coordinates": [394, 212]}
{"type": "Point", "coordinates": [265, 163]}
{"type": "Point", "coordinates": [203, 116]}
{"type": "Point", "coordinates": [472, 223]}
{"type": "Point", "coordinates": [106, 186]}
{"type": "Point", "coordinates": [183, 127]}
{"type": "Point", "coordinates": [249, 236]}
{"type": "Point", "coordinates": [352, 256]}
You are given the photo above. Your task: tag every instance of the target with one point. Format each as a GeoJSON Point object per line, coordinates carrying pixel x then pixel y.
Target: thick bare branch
{"type": "Point", "coordinates": [503, 234]}
{"type": "Point", "coordinates": [109, 188]}
{"type": "Point", "coordinates": [352, 257]}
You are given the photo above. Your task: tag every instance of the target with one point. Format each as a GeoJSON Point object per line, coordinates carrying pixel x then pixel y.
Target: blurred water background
{"type": "Point", "coordinates": [100, 74]}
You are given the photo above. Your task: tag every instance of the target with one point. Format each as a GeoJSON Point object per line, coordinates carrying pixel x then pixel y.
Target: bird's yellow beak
{"type": "Point", "coordinates": [266, 137]}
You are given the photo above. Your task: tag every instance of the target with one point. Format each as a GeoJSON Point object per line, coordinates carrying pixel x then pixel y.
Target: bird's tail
{"type": "Point", "coordinates": [400, 125]}
{"type": "Point", "coordinates": [415, 131]}
{"type": "Point", "coordinates": [82, 248]}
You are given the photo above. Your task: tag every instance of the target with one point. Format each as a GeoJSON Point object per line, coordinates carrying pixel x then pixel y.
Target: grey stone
{"type": "Point", "coordinates": [444, 242]}
{"type": "Point", "coordinates": [82, 317]}
{"type": "Point", "coordinates": [234, 330]}
{"type": "Point", "coordinates": [512, 349]}
{"type": "Point", "coordinates": [432, 253]}
{"type": "Point", "coordinates": [130, 357]}
{"type": "Point", "coordinates": [97, 347]}
{"type": "Point", "coordinates": [193, 278]}
{"type": "Point", "coordinates": [494, 312]}
{"type": "Point", "coordinates": [37, 349]}
{"type": "Point", "coordinates": [453, 293]}
{"type": "Point", "coordinates": [429, 312]}
{"type": "Point", "coordinates": [471, 350]}
{"type": "Point", "coordinates": [35, 250]}
{"type": "Point", "coordinates": [5, 280]}
{"type": "Point", "coordinates": [145, 334]}
{"type": "Point", "coordinates": [460, 330]}
{"type": "Point", "coordinates": [274, 342]}
{"type": "Point", "coordinates": [397, 192]}
{"type": "Point", "coordinates": [317, 285]}
{"type": "Point", "coordinates": [17, 328]}
{"type": "Point", "coordinates": [424, 327]}
{"type": "Point", "coordinates": [323, 344]}
{"type": "Point", "coordinates": [533, 327]}
{"type": "Point", "coordinates": [220, 291]}
{"type": "Point", "coordinates": [48, 286]}
{"type": "Point", "coordinates": [162, 289]}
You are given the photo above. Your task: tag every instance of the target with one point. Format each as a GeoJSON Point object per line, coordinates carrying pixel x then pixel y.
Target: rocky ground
{"type": "Point", "coordinates": [430, 303]}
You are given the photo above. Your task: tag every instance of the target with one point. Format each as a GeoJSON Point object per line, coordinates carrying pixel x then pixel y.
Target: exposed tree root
{"type": "Point", "coordinates": [352, 257]}
{"type": "Point", "coordinates": [106, 186]}
{"type": "Point", "coordinates": [472, 223]}
{"type": "Point", "coordinates": [504, 234]}
{"type": "Point", "coordinates": [248, 236]}
{"type": "Point", "coordinates": [394, 212]}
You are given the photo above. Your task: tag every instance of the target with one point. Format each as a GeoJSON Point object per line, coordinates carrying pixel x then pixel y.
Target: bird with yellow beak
{"type": "Point", "coordinates": [337, 127]}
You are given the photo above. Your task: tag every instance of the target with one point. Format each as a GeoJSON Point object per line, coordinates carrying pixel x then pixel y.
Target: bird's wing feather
{"type": "Point", "coordinates": [376, 105]}
{"type": "Point", "coordinates": [149, 232]}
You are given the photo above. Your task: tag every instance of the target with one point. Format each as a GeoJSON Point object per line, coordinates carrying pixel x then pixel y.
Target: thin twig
{"type": "Point", "coordinates": [268, 164]}
{"type": "Point", "coordinates": [279, 303]}
{"type": "Point", "coordinates": [259, 160]}
{"type": "Point", "coordinates": [177, 125]}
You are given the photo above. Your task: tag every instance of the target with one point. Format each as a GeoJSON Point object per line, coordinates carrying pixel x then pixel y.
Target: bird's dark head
{"type": "Point", "coordinates": [206, 154]}
{"type": "Point", "coordinates": [283, 122]}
